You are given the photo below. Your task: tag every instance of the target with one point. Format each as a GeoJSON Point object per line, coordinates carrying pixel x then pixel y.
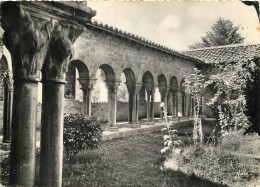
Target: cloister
{"type": "Point", "coordinates": [45, 40]}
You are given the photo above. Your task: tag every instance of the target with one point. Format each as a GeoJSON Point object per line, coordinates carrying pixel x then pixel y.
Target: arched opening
{"type": "Point", "coordinates": [174, 96]}
{"type": "Point", "coordinates": [105, 89]}
{"type": "Point", "coordinates": [162, 85]}
{"type": "Point", "coordinates": [183, 98]}
{"type": "Point", "coordinates": [148, 83]}
{"type": "Point", "coordinates": [77, 91]}
{"type": "Point", "coordinates": [3, 69]}
{"type": "Point", "coordinates": [6, 99]}
{"type": "Point", "coordinates": [129, 88]}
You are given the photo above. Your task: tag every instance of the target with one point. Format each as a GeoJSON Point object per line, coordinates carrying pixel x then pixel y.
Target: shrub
{"type": "Point", "coordinates": [80, 132]}
{"type": "Point", "coordinates": [171, 144]}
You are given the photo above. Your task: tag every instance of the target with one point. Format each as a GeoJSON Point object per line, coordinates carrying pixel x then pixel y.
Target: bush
{"type": "Point", "coordinates": [213, 164]}
{"type": "Point", "coordinates": [80, 132]}
{"type": "Point", "coordinates": [238, 142]}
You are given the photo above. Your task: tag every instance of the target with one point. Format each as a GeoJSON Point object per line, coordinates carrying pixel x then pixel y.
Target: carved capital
{"type": "Point", "coordinates": [163, 89]}
{"type": "Point", "coordinates": [149, 88]}
{"type": "Point", "coordinates": [87, 84]}
{"type": "Point", "coordinates": [130, 87]}
{"type": "Point", "coordinates": [59, 53]}
{"type": "Point", "coordinates": [26, 40]}
{"type": "Point", "coordinates": [112, 86]}
{"type": "Point", "coordinates": [138, 87]}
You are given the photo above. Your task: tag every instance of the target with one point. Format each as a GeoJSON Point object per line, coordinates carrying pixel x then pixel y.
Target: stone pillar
{"type": "Point", "coordinates": [187, 101]}
{"type": "Point", "coordinates": [152, 104]}
{"type": "Point", "coordinates": [8, 104]}
{"type": "Point", "coordinates": [112, 104]}
{"type": "Point", "coordinates": [190, 105]}
{"type": "Point", "coordinates": [53, 79]}
{"type": "Point", "coordinates": [138, 87]}
{"type": "Point", "coordinates": [164, 93]}
{"type": "Point", "coordinates": [27, 43]}
{"type": "Point", "coordinates": [174, 105]}
{"type": "Point", "coordinates": [148, 105]}
{"type": "Point", "coordinates": [86, 87]}
{"type": "Point", "coordinates": [131, 102]}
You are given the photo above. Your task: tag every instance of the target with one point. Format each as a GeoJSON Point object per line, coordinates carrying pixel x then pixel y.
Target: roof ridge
{"type": "Point", "coordinates": [222, 46]}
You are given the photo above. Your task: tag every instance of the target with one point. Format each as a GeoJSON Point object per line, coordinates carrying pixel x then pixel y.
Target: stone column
{"type": "Point", "coordinates": [174, 105]}
{"type": "Point", "coordinates": [27, 43]}
{"type": "Point", "coordinates": [53, 79]}
{"type": "Point", "coordinates": [148, 105]}
{"type": "Point", "coordinates": [152, 104]}
{"type": "Point", "coordinates": [8, 104]}
{"type": "Point", "coordinates": [190, 106]}
{"type": "Point", "coordinates": [187, 100]}
{"type": "Point", "coordinates": [131, 102]}
{"type": "Point", "coordinates": [138, 87]}
{"type": "Point", "coordinates": [86, 87]}
{"type": "Point", "coordinates": [164, 92]}
{"type": "Point", "coordinates": [112, 104]}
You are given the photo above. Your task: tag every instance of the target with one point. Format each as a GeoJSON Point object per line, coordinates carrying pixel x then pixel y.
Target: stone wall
{"type": "Point", "coordinates": [99, 109]}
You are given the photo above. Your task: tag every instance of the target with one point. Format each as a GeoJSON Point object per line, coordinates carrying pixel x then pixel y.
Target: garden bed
{"type": "Point", "coordinates": [133, 161]}
{"type": "Point", "coordinates": [234, 163]}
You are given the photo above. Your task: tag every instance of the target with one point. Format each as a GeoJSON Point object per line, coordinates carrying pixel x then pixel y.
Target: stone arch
{"type": "Point", "coordinates": [109, 72]}
{"type": "Point", "coordinates": [81, 67]}
{"type": "Point", "coordinates": [130, 83]}
{"type": "Point", "coordinates": [174, 83]}
{"type": "Point", "coordinates": [141, 74]}
{"type": "Point", "coordinates": [162, 85]}
{"type": "Point", "coordinates": [183, 98]}
{"type": "Point", "coordinates": [6, 96]}
{"type": "Point", "coordinates": [148, 79]}
{"type": "Point", "coordinates": [7, 56]}
{"type": "Point", "coordinates": [148, 84]}
{"type": "Point", "coordinates": [162, 80]}
{"type": "Point", "coordinates": [83, 78]}
{"type": "Point", "coordinates": [4, 64]}
{"type": "Point", "coordinates": [129, 74]}
{"type": "Point", "coordinates": [173, 96]}
{"type": "Point", "coordinates": [111, 85]}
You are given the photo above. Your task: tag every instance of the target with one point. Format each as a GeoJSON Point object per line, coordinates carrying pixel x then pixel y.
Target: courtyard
{"type": "Point", "coordinates": [86, 103]}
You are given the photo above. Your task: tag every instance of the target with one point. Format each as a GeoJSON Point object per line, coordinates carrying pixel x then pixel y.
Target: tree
{"type": "Point", "coordinates": [231, 100]}
{"type": "Point", "coordinates": [223, 32]}
{"type": "Point", "coordinates": [195, 85]}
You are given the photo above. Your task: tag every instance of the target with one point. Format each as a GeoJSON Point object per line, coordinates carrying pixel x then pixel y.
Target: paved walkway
{"type": "Point", "coordinates": [124, 130]}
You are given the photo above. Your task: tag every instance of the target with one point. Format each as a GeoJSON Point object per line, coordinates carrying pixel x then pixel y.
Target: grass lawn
{"type": "Point", "coordinates": [133, 161]}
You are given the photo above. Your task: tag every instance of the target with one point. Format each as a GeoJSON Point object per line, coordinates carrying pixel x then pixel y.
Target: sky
{"type": "Point", "coordinates": [176, 24]}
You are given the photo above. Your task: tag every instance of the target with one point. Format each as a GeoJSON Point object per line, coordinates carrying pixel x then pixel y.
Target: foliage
{"type": "Point", "coordinates": [240, 143]}
{"type": "Point", "coordinates": [131, 161]}
{"type": "Point", "coordinates": [230, 98]}
{"type": "Point", "coordinates": [216, 165]}
{"type": "Point", "coordinates": [170, 142]}
{"type": "Point", "coordinates": [195, 85]}
{"type": "Point", "coordinates": [223, 32]}
{"type": "Point", "coordinates": [80, 132]}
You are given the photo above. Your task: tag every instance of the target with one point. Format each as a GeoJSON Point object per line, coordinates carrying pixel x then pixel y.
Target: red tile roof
{"type": "Point", "coordinates": [226, 53]}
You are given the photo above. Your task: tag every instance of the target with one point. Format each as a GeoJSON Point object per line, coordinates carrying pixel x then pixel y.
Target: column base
{"type": "Point", "coordinates": [135, 125]}
{"type": "Point", "coordinates": [161, 120]}
{"type": "Point", "coordinates": [112, 129]}
{"type": "Point", "coordinates": [149, 123]}
{"type": "Point", "coordinates": [6, 146]}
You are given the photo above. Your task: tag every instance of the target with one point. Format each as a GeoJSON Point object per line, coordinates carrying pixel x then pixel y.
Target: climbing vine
{"type": "Point", "coordinates": [195, 85]}
{"type": "Point", "coordinates": [230, 97]}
